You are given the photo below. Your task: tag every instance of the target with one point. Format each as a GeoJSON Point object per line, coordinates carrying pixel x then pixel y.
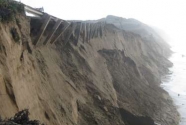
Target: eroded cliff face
{"type": "Point", "coordinates": [112, 79]}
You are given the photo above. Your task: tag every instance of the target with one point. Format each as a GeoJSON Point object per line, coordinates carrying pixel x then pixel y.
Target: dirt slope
{"type": "Point", "coordinates": [110, 80]}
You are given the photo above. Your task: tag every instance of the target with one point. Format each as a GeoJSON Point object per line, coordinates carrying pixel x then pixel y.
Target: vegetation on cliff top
{"type": "Point", "coordinates": [8, 9]}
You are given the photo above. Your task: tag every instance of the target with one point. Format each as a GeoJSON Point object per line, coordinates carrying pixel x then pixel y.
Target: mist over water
{"type": "Point", "coordinates": [175, 82]}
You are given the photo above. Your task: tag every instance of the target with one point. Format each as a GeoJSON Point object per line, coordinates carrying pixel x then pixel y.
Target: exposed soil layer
{"type": "Point", "coordinates": [112, 79]}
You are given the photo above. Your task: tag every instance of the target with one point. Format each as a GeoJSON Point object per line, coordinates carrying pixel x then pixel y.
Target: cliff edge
{"type": "Point", "coordinates": [111, 79]}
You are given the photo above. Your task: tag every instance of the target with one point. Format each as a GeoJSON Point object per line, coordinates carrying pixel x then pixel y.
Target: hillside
{"type": "Point", "coordinates": [146, 32]}
{"type": "Point", "coordinates": [110, 79]}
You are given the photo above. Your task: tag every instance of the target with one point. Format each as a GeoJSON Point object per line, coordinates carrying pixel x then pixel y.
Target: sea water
{"type": "Point", "coordinates": [175, 82]}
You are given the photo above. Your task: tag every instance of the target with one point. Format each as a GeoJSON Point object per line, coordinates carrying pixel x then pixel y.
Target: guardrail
{"type": "Point", "coordinates": [86, 30]}
{"type": "Point", "coordinates": [46, 19]}
{"type": "Point", "coordinates": [33, 11]}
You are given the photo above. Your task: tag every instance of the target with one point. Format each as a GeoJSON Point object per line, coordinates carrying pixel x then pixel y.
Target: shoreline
{"type": "Point", "coordinates": [172, 83]}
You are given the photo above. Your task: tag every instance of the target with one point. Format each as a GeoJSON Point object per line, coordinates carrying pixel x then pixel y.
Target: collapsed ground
{"type": "Point", "coordinates": [112, 79]}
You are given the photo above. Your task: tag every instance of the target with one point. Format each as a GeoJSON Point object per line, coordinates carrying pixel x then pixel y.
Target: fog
{"type": "Point", "coordinates": [168, 15]}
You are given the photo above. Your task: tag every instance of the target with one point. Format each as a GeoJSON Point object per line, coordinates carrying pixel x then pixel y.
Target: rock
{"type": "Point", "coordinates": [99, 98]}
{"type": "Point", "coordinates": [105, 108]}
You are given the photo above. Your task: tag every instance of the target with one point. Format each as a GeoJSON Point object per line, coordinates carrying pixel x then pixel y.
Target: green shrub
{"type": "Point", "coordinates": [8, 9]}
{"type": "Point", "coordinates": [20, 118]}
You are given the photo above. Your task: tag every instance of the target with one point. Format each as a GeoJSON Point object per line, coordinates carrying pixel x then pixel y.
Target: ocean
{"type": "Point", "coordinates": [175, 82]}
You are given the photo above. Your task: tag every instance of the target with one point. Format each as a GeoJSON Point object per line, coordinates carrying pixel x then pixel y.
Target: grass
{"type": "Point", "coordinates": [8, 9]}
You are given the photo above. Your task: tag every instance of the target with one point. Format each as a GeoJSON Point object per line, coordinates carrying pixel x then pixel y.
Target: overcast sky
{"type": "Point", "coordinates": [169, 15]}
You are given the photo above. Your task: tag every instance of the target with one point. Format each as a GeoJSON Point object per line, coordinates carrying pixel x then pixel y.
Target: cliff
{"type": "Point", "coordinates": [111, 79]}
{"type": "Point", "coordinates": [152, 35]}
